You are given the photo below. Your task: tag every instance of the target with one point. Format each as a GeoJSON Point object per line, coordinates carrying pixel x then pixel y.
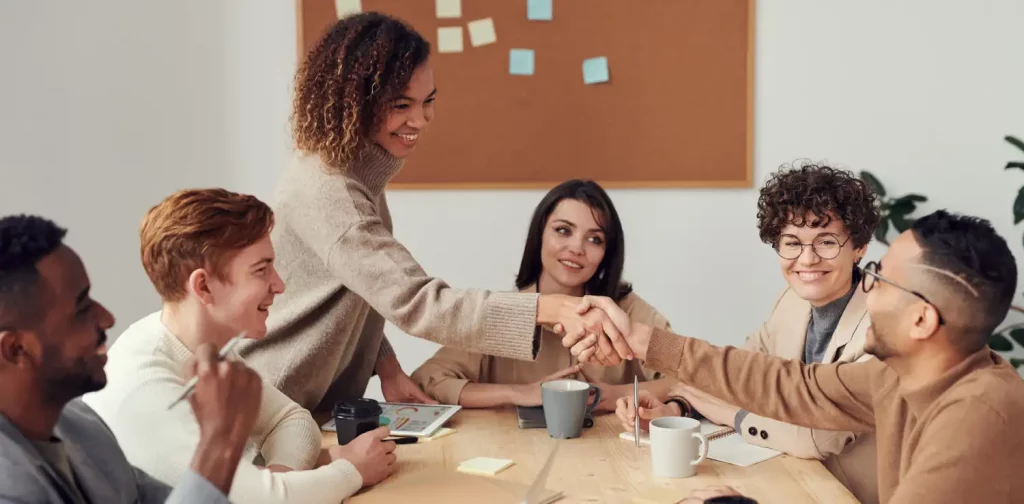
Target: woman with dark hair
{"type": "Point", "coordinates": [574, 247]}
{"type": "Point", "coordinates": [363, 97]}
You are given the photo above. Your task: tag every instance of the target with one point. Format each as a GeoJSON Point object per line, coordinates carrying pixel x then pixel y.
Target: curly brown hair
{"type": "Point", "coordinates": [347, 83]}
{"type": "Point", "coordinates": [822, 192]}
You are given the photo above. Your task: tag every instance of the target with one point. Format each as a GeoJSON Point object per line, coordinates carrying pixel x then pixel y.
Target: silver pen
{"type": "Point", "coordinates": [191, 385]}
{"type": "Point", "coordinates": [636, 410]}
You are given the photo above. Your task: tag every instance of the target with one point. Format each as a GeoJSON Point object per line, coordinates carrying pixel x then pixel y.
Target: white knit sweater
{"type": "Point", "coordinates": [146, 371]}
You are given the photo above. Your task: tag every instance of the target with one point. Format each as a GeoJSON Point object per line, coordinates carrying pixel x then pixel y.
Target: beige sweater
{"type": "Point", "coordinates": [147, 370]}
{"type": "Point", "coordinates": [444, 375]}
{"type": "Point", "coordinates": [955, 440]}
{"type": "Point", "coordinates": [345, 274]}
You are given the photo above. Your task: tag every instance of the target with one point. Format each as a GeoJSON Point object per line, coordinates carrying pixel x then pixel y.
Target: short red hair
{"type": "Point", "coordinates": [198, 228]}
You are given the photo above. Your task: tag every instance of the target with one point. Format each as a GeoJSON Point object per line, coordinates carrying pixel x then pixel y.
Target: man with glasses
{"type": "Point", "coordinates": [946, 409]}
{"type": "Point", "coordinates": [819, 221]}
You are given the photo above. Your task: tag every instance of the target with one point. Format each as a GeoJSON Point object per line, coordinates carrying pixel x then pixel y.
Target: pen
{"type": "Point", "coordinates": [191, 385]}
{"type": "Point", "coordinates": [636, 410]}
{"type": "Point", "coordinates": [402, 440]}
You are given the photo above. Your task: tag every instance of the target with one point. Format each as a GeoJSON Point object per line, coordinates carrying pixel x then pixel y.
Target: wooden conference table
{"type": "Point", "coordinates": [597, 467]}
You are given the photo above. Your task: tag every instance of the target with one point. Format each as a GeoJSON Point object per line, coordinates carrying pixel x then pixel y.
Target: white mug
{"type": "Point", "coordinates": [674, 447]}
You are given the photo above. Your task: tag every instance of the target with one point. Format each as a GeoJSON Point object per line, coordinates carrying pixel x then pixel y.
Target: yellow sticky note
{"type": "Point", "coordinates": [481, 32]}
{"type": "Point", "coordinates": [346, 7]}
{"type": "Point", "coordinates": [485, 466]}
{"type": "Point", "coordinates": [448, 9]}
{"type": "Point", "coordinates": [449, 39]}
{"type": "Point", "coordinates": [442, 432]}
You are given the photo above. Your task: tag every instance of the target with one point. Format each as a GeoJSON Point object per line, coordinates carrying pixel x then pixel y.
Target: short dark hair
{"type": "Point", "coordinates": [607, 280]}
{"type": "Point", "coordinates": [969, 248]}
{"type": "Point", "coordinates": [24, 241]}
{"type": "Point", "coordinates": [823, 191]}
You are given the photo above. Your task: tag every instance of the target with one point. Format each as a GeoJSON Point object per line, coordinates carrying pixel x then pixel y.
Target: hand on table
{"type": "Point", "coordinates": [609, 393]}
{"type": "Point", "coordinates": [529, 394]}
{"type": "Point", "coordinates": [713, 408]}
{"type": "Point", "coordinates": [373, 457]}
{"type": "Point", "coordinates": [650, 408]}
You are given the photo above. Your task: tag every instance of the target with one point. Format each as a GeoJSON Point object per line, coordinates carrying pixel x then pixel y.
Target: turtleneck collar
{"type": "Point", "coordinates": [374, 167]}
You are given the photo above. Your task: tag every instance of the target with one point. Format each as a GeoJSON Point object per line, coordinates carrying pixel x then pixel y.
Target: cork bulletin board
{"type": "Point", "coordinates": [675, 111]}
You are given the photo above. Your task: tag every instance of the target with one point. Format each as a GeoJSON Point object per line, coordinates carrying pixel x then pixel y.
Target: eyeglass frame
{"type": "Point", "coordinates": [872, 268]}
{"type": "Point", "coordinates": [814, 249]}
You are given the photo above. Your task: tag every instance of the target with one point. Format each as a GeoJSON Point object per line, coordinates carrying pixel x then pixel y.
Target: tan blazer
{"type": "Point", "coordinates": [445, 374]}
{"type": "Point", "coordinates": [849, 456]}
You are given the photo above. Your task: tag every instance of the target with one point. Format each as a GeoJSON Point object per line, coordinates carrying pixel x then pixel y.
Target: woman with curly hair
{"type": "Point", "coordinates": [819, 221]}
{"type": "Point", "coordinates": [363, 97]}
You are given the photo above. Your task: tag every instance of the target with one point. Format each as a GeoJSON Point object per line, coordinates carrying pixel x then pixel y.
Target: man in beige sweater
{"type": "Point", "coordinates": [945, 408]}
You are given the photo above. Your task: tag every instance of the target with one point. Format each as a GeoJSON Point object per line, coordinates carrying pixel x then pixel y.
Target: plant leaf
{"type": "Point", "coordinates": [904, 207]}
{"type": "Point", "coordinates": [873, 182]}
{"type": "Point", "coordinates": [1018, 336]}
{"type": "Point", "coordinates": [912, 197]}
{"type": "Point", "coordinates": [882, 230]}
{"type": "Point", "coordinates": [1018, 207]}
{"type": "Point", "coordinates": [900, 222]}
{"type": "Point", "coordinates": [1013, 140]}
{"type": "Point", "coordinates": [1017, 363]}
{"type": "Point", "coordinates": [1015, 164]}
{"type": "Point", "coordinates": [999, 343]}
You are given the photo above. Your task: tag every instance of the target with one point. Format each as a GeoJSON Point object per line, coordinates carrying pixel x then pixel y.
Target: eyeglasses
{"type": "Point", "coordinates": [868, 280]}
{"type": "Point", "coordinates": [825, 246]}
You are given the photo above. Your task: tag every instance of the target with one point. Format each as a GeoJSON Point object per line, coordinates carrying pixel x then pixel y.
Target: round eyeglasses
{"type": "Point", "coordinates": [825, 246]}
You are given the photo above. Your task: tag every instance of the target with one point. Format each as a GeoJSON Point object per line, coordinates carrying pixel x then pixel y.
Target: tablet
{"type": "Point", "coordinates": [407, 419]}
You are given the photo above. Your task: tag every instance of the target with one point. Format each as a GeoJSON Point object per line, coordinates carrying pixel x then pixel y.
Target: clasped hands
{"type": "Point", "coordinates": [597, 330]}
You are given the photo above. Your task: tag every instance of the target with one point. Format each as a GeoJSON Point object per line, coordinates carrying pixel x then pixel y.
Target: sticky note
{"type": "Point", "coordinates": [520, 61]}
{"type": "Point", "coordinates": [481, 32]}
{"type": "Point", "coordinates": [346, 7]}
{"type": "Point", "coordinates": [448, 9]}
{"type": "Point", "coordinates": [595, 70]}
{"type": "Point", "coordinates": [484, 466]}
{"type": "Point", "coordinates": [449, 39]}
{"type": "Point", "coordinates": [538, 10]}
{"type": "Point", "coordinates": [442, 432]}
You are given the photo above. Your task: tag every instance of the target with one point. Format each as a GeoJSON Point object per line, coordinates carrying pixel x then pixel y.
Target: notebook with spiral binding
{"type": "Point", "coordinates": [723, 446]}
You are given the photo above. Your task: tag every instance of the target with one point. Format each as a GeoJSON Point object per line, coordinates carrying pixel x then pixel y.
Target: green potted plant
{"type": "Point", "coordinates": [896, 211]}
{"type": "Point", "coordinates": [1009, 340]}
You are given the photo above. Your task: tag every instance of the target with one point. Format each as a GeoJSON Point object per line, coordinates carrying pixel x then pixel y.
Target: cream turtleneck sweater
{"type": "Point", "coordinates": [146, 370]}
{"type": "Point", "coordinates": [345, 274]}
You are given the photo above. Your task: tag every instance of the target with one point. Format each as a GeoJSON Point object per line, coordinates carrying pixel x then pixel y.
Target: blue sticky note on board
{"type": "Point", "coordinates": [520, 61]}
{"type": "Point", "coordinates": [538, 10]}
{"type": "Point", "coordinates": [595, 70]}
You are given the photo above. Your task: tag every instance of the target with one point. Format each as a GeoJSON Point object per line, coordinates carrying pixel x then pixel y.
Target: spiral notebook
{"type": "Point", "coordinates": [723, 445]}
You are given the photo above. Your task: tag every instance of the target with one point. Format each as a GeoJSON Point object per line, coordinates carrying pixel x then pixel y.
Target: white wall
{"type": "Point", "coordinates": [106, 106]}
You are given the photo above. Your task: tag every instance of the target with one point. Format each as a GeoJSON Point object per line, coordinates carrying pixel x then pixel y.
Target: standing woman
{"type": "Point", "coordinates": [363, 97]}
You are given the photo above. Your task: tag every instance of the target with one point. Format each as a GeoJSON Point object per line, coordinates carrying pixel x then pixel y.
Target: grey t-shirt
{"type": "Point", "coordinates": [54, 453]}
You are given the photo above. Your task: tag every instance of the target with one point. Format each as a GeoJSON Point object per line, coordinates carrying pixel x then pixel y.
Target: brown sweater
{"type": "Point", "coordinates": [955, 440]}
{"type": "Point", "coordinates": [444, 375]}
{"type": "Point", "coordinates": [345, 274]}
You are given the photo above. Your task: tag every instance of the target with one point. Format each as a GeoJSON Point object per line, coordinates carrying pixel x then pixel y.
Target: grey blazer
{"type": "Point", "coordinates": [98, 463]}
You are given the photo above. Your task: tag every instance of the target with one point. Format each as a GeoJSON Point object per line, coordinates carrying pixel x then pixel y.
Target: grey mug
{"type": "Point", "coordinates": [565, 406]}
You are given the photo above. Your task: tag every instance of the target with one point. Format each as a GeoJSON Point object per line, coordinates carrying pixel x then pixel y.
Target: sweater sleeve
{"type": "Point", "coordinates": [444, 375]}
{"type": "Point", "coordinates": [379, 269]}
{"type": "Point", "coordinates": [833, 396]}
{"type": "Point", "coordinates": [162, 443]}
{"type": "Point", "coordinates": [963, 455]}
{"type": "Point", "coordinates": [286, 432]}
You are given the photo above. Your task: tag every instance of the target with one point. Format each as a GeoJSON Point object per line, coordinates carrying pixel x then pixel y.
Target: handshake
{"type": "Point", "coordinates": [595, 329]}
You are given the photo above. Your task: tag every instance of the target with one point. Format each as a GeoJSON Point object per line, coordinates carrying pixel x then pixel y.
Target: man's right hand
{"type": "Point", "coordinates": [226, 403]}
{"type": "Point", "coordinates": [373, 457]}
{"type": "Point", "coordinates": [650, 408]}
{"type": "Point", "coordinates": [529, 394]}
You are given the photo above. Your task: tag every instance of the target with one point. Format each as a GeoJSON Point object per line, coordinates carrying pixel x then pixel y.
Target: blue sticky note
{"type": "Point", "coordinates": [538, 10]}
{"type": "Point", "coordinates": [520, 61]}
{"type": "Point", "coordinates": [595, 70]}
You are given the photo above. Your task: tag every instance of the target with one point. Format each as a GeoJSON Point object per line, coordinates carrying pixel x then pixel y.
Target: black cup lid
{"type": "Point", "coordinates": [357, 408]}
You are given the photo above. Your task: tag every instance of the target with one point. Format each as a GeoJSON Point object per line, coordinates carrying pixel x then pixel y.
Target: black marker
{"type": "Point", "coordinates": [402, 440]}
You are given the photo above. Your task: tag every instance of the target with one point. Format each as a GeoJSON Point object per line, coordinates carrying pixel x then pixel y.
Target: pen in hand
{"type": "Point", "coordinates": [191, 385]}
